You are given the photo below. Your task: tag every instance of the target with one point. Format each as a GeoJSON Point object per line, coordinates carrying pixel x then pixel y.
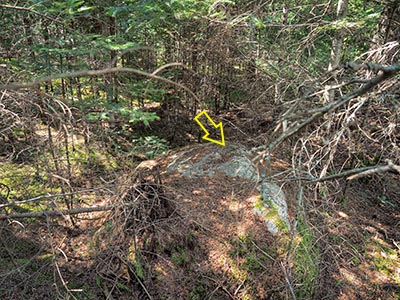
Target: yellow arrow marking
{"type": "Point", "coordinates": [219, 125]}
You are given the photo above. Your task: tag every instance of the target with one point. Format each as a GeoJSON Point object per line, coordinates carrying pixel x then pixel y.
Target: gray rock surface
{"type": "Point", "coordinates": [231, 160]}
{"type": "Point", "coordinates": [273, 207]}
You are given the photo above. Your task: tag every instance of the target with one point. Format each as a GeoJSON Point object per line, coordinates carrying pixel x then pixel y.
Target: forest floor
{"type": "Point", "coordinates": [203, 241]}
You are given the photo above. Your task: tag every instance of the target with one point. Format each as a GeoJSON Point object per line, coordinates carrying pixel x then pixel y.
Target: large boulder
{"type": "Point", "coordinates": [208, 160]}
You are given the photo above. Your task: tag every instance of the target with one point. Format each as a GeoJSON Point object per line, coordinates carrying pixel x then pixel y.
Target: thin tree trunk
{"type": "Point", "coordinates": [388, 33]}
{"type": "Point", "coordinates": [337, 44]}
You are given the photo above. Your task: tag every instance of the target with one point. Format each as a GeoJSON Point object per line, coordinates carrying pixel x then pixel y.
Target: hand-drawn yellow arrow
{"type": "Point", "coordinates": [219, 125]}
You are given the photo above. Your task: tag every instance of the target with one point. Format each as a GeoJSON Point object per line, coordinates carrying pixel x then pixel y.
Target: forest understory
{"type": "Point", "coordinates": [97, 100]}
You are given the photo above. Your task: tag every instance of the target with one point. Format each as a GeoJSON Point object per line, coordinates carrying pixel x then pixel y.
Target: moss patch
{"type": "Point", "coordinates": [269, 212]}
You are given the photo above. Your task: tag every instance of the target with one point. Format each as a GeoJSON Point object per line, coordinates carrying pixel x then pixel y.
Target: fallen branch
{"type": "Point", "coordinates": [35, 83]}
{"type": "Point", "coordinates": [43, 197]}
{"type": "Point", "coordinates": [56, 213]}
{"type": "Point", "coordinates": [380, 169]}
{"type": "Point", "coordinates": [359, 172]}
{"type": "Point", "coordinates": [384, 74]}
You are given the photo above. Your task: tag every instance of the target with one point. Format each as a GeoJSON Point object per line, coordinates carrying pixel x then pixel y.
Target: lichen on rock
{"type": "Point", "coordinates": [272, 206]}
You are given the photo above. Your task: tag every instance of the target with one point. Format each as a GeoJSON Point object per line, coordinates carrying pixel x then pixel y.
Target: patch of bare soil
{"type": "Point", "coordinates": [210, 246]}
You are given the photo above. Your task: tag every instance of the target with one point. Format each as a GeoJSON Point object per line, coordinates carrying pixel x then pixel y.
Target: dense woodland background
{"type": "Point", "coordinates": [89, 89]}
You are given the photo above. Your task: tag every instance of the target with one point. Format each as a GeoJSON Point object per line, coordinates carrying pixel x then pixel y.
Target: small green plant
{"type": "Point", "coordinates": [151, 146]}
{"type": "Point", "coordinates": [306, 260]}
{"type": "Point", "coordinates": [252, 263]}
{"type": "Point", "coordinates": [139, 269]}
{"type": "Point", "coordinates": [191, 240]}
{"type": "Point", "coordinates": [98, 282]}
{"type": "Point", "coordinates": [242, 245]}
{"type": "Point", "coordinates": [198, 293]}
{"type": "Point", "coordinates": [180, 257]}
{"type": "Point", "coordinates": [122, 286]}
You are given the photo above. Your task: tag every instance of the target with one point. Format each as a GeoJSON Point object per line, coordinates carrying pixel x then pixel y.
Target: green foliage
{"type": "Point", "coordinates": [146, 91]}
{"type": "Point", "coordinates": [150, 146]}
{"type": "Point", "coordinates": [139, 269]}
{"type": "Point", "coordinates": [199, 292]}
{"type": "Point", "coordinates": [135, 116]}
{"type": "Point", "coordinates": [306, 259]}
{"type": "Point", "coordinates": [385, 259]}
{"type": "Point", "coordinates": [180, 257]}
{"type": "Point", "coordinates": [24, 181]}
{"type": "Point", "coordinates": [126, 115]}
{"type": "Point", "coordinates": [244, 250]}
{"type": "Point", "coordinates": [252, 263]}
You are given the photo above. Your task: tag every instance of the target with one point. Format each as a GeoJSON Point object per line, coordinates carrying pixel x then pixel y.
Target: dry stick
{"type": "Point", "coordinates": [57, 213]}
{"type": "Point", "coordinates": [380, 169]}
{"type": "Point", "coordinates": [359, 172]}
{"type": "Point", "coordinates": [288, 282]}
{"type": "Point", "coordinates": [17, 86]}
{"type": "Point", "coordinates": [48, 196]}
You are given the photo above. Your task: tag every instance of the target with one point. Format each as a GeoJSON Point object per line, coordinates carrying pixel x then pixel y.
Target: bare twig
{"type": "Point", "coordinates": [263, 252]}
{"type": "Point", "coordinates": [359, 172]}
{"type": "Point", "coordinates": [288, 281]}
{"type": "Point", "coordinates": [220, 285]}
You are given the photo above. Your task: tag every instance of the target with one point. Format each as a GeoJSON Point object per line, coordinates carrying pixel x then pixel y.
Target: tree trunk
{"type": "Point", "coordinates": [337, 44]}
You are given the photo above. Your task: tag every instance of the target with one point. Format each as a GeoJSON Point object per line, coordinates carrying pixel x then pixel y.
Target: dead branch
{"type": "Point", "coordinates": [384, 74]}
{"type": "Point", "coordinates": [334, 105]}
{"type": "Point", "coordinates": [42, 197]}
{"type": "Point", "coordinates": [31, 11]}
{"type": "Point", "coordinates": [35, 83]}
{"type": "Point", "coordinates": [380, 169]}
{"type": "Point", "coordinates": [360, 172]}
{"type": "Point", "coordinates": [56, 213]}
